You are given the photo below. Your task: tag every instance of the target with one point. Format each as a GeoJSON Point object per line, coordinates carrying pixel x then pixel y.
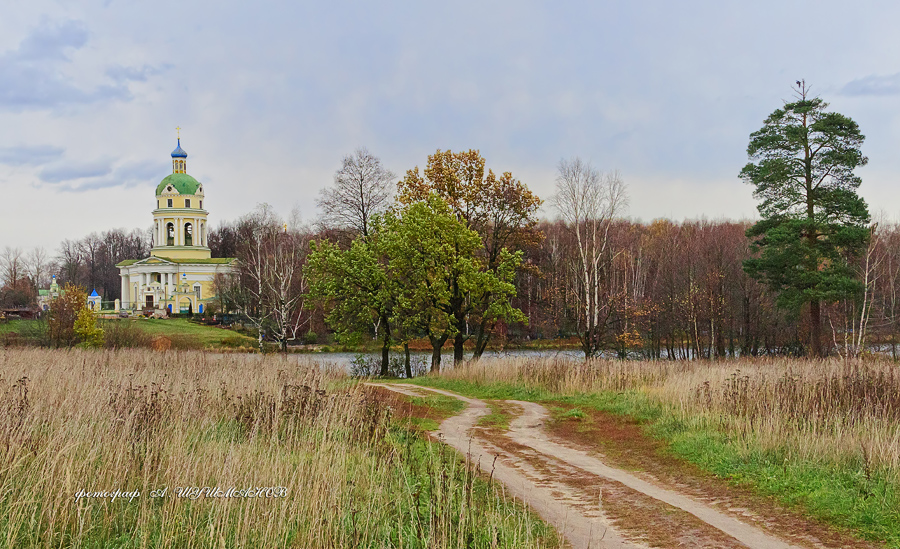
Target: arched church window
{"type": "Point", "coordinates": [169, 202]}
{"type": "Point", "coordinates": [170, 234]}
{"type": "Point", "coordinates": [188, 234]}
{"type": "Point", "coordinates": [197, 290]}
{"type": "Point", "coordinates": [187, 202]}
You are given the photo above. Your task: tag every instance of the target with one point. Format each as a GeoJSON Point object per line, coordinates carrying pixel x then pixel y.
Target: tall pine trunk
{"type": "Point", "coordinates": [815, 328]}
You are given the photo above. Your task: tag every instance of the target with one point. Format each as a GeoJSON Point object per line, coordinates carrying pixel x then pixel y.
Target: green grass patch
{"type": "Point", "coordinates": [443, 405]}
{"type": "Point", "coordinates": [423, 423]}
{"type": "Point", "coordinates": [497, 419]}
{"type": "Point", "coordinates": [573, 414]}
{"type": "Point", "coordinates": [15, 325]}
{"type": "Point", "coordinates": [182, 332]}
{"type": "Point", "coordinates": [20, 326]}
{"type": "Point", "coordinates": [209, 337]}
{"type": "Point", "coordinates": [495, 391]}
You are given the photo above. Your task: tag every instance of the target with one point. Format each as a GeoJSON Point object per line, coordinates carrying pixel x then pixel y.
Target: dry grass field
{"type": "Point", "coordinates": [823, 436]}
{"type": "Point", "coordinates": [73, 421]}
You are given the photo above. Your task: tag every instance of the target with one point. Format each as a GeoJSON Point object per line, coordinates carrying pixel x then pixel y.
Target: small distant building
{"type": "Point", "coordinates": [178, 276]}
{"type": "Point", "coordinates": [94, 301]}
{"type": "Point", "coordinates": [46, 296]}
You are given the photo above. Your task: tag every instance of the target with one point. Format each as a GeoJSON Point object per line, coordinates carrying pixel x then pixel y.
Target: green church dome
{"type": "Point", "coordinates": [182, 182]}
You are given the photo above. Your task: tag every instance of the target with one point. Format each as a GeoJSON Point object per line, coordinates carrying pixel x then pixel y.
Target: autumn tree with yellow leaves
{"type": "Point", "coordinates": [502, 210]}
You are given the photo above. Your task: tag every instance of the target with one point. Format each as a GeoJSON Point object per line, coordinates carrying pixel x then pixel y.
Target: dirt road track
{"type": "Point", "coordinates": [580, 520]}
{"type": "Point", "coordinates": [582, 530]}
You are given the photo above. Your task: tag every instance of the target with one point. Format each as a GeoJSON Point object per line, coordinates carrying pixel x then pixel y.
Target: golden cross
{"type": "Point", "coordinates": [178, 129]}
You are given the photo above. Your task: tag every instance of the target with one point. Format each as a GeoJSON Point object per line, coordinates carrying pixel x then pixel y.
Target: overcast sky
{"type": "Point", "coordinates": [271, 95]}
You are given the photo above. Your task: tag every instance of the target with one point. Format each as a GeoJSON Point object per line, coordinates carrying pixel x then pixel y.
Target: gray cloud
{"type": "Point", "coordinates": [134, 74]}
{"type": "Point", "coordinates": [78, 178]}
{"type": "Point", "coordinates": [30, 155]}
{"type": "Point", "coordinates": [873, 85]}
{"type": "Point", "coordinates": [135, 173]}
{"type": "Point", "coordinates": [69, 171]}
{"type": "Point", "coordinates": [33, 77]}
{"type": "Point", "coordinates": [51, 40]}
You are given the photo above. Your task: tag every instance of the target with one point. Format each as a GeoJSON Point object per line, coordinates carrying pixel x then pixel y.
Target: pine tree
{"type": "Point", "coordinates": [813, 222]}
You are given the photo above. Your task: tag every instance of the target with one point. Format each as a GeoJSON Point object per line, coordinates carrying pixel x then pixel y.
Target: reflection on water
{"type": "Point", "coordinates": [344, 360]}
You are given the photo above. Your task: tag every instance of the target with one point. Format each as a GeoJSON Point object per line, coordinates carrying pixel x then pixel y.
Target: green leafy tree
{"type": "Point", "coordinates": [355, 288]}
{"type": "Point", "coordinates": [813, 222]}
{"type": "Point", "coordinates": [418, 272]}
{"type": "Point", "coordinates": [502, 210]}
{"type": "Point", "coordinates": [89, 334]}
{"type": "Point", "coordinates": [444, 277]}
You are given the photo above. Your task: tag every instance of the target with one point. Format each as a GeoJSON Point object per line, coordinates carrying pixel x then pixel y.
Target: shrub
{"type": "Point", "coordinates": [370, 366]}
{"type": "Point", "coordinates": [63, 314]}
{"type": "Point", "coordinates": [124, 334]}
{"type": "Point", "coordinates": [183, 342]}
{"type": "Point", "coordinates": [234, 341]}
{"type": "Point", "coordinates": [311, 338]}
{"type": "Point", "coordinates": [90, 335]}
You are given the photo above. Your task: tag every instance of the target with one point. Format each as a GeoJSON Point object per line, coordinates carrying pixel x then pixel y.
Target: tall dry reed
{"type": "Point", "coordinates": [825, 411]}
{"type": "Point", "coordinates": [144, 421]}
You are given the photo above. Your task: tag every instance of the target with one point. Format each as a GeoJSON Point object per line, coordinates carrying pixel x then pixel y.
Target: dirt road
{"type": "Point", "coordinates": [592, 504]}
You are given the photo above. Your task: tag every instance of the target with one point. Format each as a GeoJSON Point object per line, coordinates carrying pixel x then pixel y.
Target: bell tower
{"type": "Point", "coordinates": [180, 229]}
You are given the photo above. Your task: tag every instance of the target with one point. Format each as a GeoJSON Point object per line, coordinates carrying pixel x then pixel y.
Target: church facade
{"type": "Point", "coordinates": [178, 276]}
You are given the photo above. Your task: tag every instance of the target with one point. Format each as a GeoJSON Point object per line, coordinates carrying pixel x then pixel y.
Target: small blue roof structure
{"type": "Point", "coordinates": [94, 293]}
{"type": "Point", "coordinates": [179, 152]}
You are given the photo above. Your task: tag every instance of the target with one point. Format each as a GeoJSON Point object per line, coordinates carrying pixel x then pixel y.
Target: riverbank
{"type": "Point", "coordinates": [184, 334]}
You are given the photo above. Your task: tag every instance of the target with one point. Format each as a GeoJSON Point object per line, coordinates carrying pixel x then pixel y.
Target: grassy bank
{"type": "Point", "coordinates": [141, 421]}
{"type": "Point", "coordinates": [823, 437]}
{"type": "Point", "coordinates": [204, 337]}
{"type": "Point", "coordinates": [179, 333]}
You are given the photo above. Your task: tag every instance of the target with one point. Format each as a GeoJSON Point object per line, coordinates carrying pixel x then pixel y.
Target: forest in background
{"type": "Point", "coordinates": [675, 289]}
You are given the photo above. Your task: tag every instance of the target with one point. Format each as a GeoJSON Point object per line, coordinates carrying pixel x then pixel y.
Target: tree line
{"type": "Point", "coordinates": [456, 254]}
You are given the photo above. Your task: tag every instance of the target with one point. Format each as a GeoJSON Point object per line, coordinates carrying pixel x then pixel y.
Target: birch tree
{"type": "Point", "coordinates": [270, 284]}
{"type": "Point", "coordinates": [588, 201]}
